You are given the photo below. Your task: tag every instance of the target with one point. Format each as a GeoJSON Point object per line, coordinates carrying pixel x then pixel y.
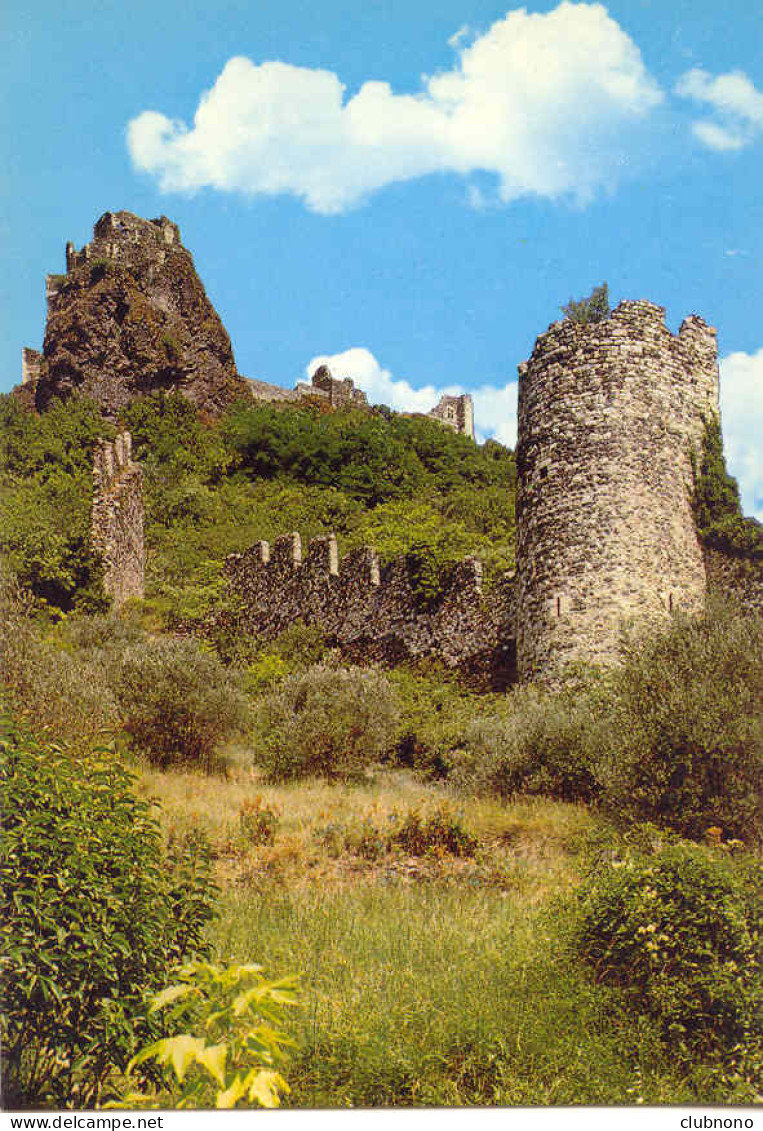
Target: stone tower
{"type": "Point", "coordinates": [608, 415]}
{"type": "Point", "coordinates": [116, 527]}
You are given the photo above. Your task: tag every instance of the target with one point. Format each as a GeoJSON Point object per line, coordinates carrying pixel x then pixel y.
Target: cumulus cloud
{"type": "Point", "coordinates": [737, 107]}
{"type": "Point", "coordinates": [543, 101]}
{"type": "Point", "coordinates": [495, 407]}
{"type": "Point", "coordinates": [742, 416]}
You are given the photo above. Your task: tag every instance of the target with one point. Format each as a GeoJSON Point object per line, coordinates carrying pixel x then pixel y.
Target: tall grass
{"type": "Point", "coordinates": [430, 995]}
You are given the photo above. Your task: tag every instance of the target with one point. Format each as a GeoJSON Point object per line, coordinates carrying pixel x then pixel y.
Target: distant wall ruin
{"type": "Point", "coordinates": [117, 519]}
{"type": "Point", "coordinates": [372, 612]}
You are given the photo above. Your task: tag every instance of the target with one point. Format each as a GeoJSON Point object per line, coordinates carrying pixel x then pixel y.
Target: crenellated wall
{"type": "Point", "coordinates": [117, 519]}
{"type": "Point", "coordinates": [372, 612]}
{"type": "Point", "coordinates": [608, 414]}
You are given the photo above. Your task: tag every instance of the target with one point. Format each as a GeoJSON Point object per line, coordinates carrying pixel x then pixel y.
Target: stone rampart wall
{"type": "Point", "coordinates": [608, 413]}
{"type": "Point", "coordinates": [118, 518]}
{"type": "Point", "coordinates": [372, 612]}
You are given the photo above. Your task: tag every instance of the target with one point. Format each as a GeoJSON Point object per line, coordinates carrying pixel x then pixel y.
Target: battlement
{"type": "Point", "coordinates": [117, 518]}
{"type": "Point", "coordinates": [372, 611]}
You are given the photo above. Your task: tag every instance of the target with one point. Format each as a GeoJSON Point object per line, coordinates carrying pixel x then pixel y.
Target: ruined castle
{"type": "Point", "coordinates": [609, 415]}
{"type": "Point", "coordinates": [130, 316]}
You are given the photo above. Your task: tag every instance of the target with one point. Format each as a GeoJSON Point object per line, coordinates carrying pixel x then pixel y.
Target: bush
{"type": "Point", "coordinates": [56, 692]}
{"type": "Point", "coordinates": [329, 722]}
{"type": "Point", "coordinates": [439, 832]}
{"type": "Point", "coordinates": [688, 722]}
{"type": "Point", "coordinates": [681, 933]}
{"type": "Point", "coordinates": [178, 702]}
{"type": "Point", "coordinates": [548, 744]}
{"type": "Point", "coordinates": [595, 308]}
{"type": "Point", "coordinates": [92, 916]}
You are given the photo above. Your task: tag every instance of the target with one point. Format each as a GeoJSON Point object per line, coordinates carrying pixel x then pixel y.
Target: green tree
{"type": "Point", "coordinates": [594, 308]}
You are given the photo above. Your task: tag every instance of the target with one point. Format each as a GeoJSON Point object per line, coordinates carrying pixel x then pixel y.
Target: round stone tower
{"type": "Point", "coordinates": [608, 415]}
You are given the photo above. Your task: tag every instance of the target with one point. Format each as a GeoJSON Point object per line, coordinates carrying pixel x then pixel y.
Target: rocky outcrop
{"type": "Point", "coordinates": [129, 317]}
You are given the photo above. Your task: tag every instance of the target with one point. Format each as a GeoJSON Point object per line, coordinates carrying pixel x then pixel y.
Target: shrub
{"type": "Point", "coordinates": [436, 714]}
{"type": "Point", "coordinates": [92, 915]}
{"type": "Point", "coordinates": [688, 721]}
{"type": "Point", "coordinates": [329, 722]}
{"type": "Point", "coordinates": [681, 932]}
{"type": "Point", "coordinates": [55, 691]}
{"type": "Point", "coordinates": [546, 744]}
{"type": "Point", "coordinates": [178, 702]}
{"type": "Point", "coordinates": [439, 832]}
{"type": "Point", "coordinates": [234, 1057]}
{"type": "Point", "coordinates": [595, 308]}
{"type": "Point", "coordinates": [257, 823]}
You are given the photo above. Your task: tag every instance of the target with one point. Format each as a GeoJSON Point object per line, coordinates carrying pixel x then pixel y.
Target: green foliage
{"type": "Point", "coordinates": [92, 915]}
{"type": "Point", "coordinates": [716, 502]}
{"type": "Point", "coordinates": [436, 714]}
{"type": "Point", "coordinates": [45, 498]}
{"type": "Point", "coordinates": [56, 692]}
{"type": "Point", "coordinates": [257, 822]}
{"type": "Point", "coordinates": [328, 722]}
{"type": "Point", "coordinates": [545, 743]}
{"type": "Point", "coordinates": [595, 308]}
{"type": "Point", "coordinates": [231, 1039]}
{"type": "Point", "coordinates": [178, 703]}
{"type": "Point", "coordinates": [366, 456]}
{"type": "Point", "coordinates": [681, 932]}
{"type": "Point", "coordinates": [686, 741]}
{"type": "Point", "coordinates": [438, 832]}
{"type": "Point", "coordinates": [170, 439]}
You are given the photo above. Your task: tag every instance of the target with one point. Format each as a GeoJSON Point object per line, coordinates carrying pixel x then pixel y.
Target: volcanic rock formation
{"type": "Point", "coordinates": [129, 317]}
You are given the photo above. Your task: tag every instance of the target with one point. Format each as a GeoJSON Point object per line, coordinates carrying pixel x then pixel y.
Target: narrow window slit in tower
{"type": "Point", "coordinates": [558, 606]}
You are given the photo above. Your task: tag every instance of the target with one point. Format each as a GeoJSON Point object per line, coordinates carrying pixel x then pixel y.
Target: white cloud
{"type": "Point", "coordinates": [542, 101]}
{"type": "Point", "coordinates": [742, 416]}
{"type": "Point", "coordinates": [495, 407]}
{"type": "Point", "coordinates": [737, 104]}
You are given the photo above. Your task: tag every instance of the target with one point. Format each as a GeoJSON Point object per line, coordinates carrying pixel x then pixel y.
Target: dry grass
{"type": "Point", "coordinates": [527, 847]}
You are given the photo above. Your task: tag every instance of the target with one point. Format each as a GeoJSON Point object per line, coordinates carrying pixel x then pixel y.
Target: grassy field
{"type": "Point", "coordinates": [430, 979]}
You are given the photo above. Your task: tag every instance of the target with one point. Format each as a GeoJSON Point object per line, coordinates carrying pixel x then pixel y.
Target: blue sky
{"type": "Point", "coordinates": [408, 189]}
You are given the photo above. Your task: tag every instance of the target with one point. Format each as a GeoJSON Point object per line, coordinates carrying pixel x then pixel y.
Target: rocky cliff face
{"type": "Point", "coordinates": [131, 316]}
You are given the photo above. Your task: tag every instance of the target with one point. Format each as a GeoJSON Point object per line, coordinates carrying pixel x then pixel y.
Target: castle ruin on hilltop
{"type": "Point", "coordinates": [609, 415]}
{"type": "Point", "coordinates": [130, 316]}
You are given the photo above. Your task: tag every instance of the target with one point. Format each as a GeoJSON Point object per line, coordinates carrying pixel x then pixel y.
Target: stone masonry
{"type": "Point", "coordinates": [372, 612]}
{"type": "Point", "coordinates": [117, 519]}
{"type": "Point", "coordinates": [456, 413]}
{"type": "Point", "coordinates": [608, 415]}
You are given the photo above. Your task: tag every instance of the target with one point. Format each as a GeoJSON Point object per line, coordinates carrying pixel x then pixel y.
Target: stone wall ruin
{"type": "Point", "coordinates": [371, 611]}
{"type": "Point", "coordinates": [117, 519]}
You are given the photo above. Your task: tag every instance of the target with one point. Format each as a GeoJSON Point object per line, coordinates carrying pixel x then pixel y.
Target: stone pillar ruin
{"type": "Point", "coordinates": [117, 519]}
{"type": "Point", "coordinates": [608, 415]}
